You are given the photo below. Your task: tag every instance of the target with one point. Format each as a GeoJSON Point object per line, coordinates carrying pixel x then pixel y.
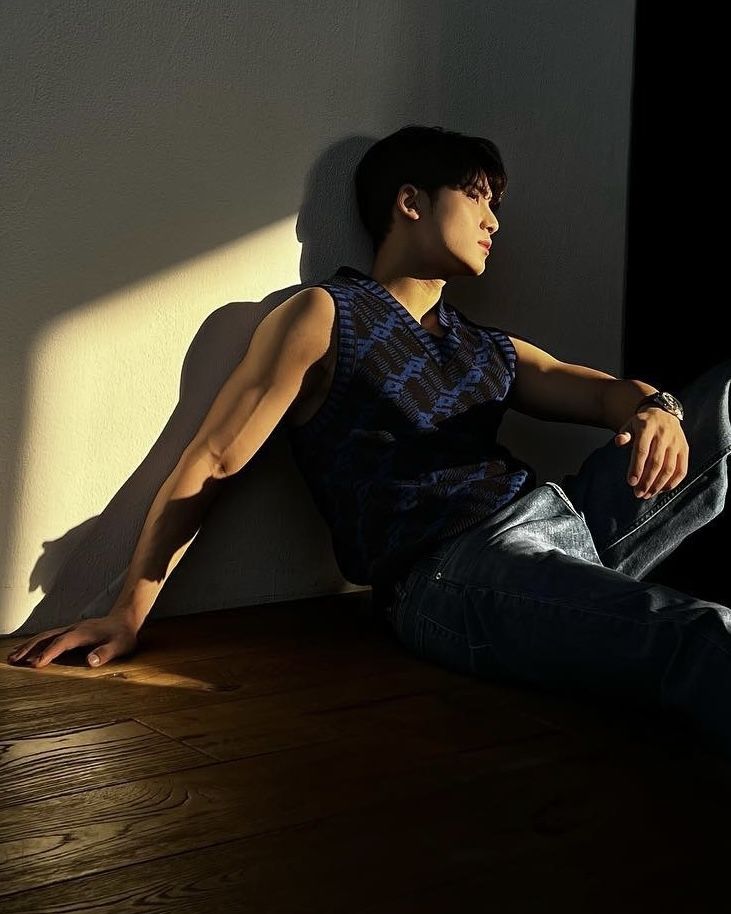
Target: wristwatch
{"type": "Point", "coordinates": [664, 400]}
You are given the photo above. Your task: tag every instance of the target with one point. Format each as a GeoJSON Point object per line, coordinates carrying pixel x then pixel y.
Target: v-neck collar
{"type": "Point", "coordinates": [441, 348]}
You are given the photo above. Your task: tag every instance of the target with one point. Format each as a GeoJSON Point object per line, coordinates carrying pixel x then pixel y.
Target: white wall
{"type": "Point", "coordinates": [173, 170]}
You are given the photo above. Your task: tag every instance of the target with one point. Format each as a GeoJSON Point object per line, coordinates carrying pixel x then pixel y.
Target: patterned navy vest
{"type": "Point", "coordinates": [403, 453]}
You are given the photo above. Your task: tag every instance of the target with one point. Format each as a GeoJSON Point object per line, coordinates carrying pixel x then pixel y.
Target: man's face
{"type": "Point", "coordinates": [461, 219]}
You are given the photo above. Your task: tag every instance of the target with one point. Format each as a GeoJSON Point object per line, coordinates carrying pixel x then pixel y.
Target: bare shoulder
{"type": "Point", "coordinates": [311, 309]}
{"type": "Point", "coordinates": [315, 297]}
{"type": "Point", "coordinates": [299, 328]}
{"type": "Point", "coordinates": [311, 316]}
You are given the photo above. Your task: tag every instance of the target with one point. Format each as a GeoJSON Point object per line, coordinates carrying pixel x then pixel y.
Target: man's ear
{"type": "Point", "coordinates": [411, 198]}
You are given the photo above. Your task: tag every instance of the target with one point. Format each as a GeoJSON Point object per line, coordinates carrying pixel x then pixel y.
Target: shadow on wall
{"type": "Point", "coordinates": [214, 573]}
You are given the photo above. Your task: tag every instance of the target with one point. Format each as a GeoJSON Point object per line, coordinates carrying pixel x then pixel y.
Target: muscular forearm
{"type": "Point", "coordinates": [621, 396]}
{"type": "Point", "coordinates": [171, 525]}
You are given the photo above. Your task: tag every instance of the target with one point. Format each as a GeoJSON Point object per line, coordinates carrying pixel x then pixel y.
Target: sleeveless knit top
{"type": "Point", "coordinates": [403, 453]}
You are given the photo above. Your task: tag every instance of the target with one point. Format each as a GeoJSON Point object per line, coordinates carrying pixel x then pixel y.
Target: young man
{"type": "Point", "coordinates": [392, 400]}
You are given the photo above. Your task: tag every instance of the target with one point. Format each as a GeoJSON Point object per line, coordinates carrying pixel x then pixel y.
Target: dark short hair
{"type": "Point", "coordinates": [429, 158]}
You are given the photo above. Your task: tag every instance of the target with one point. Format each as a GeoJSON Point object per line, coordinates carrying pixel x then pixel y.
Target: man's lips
{"type": "Point", "coordinates": [486, 244]}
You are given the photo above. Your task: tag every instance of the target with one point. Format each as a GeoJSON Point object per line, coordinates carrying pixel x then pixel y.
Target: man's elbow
{"type": "Point", "coordinates": [204, 457]}
{"type": "Point", "coordinates": [235, 445]}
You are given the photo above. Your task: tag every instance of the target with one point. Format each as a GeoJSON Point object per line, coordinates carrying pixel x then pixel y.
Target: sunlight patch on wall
{"type": "Point", "coordinates": [103, 381]}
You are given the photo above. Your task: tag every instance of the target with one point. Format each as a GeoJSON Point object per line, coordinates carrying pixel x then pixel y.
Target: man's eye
{"type": "Point", "coordinates": [475, 195]}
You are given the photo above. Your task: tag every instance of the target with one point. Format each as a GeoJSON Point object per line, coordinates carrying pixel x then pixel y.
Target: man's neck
{"type": "Point", "coordinates": [417, 295]}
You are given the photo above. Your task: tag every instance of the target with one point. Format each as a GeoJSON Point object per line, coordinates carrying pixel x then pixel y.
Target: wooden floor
{"type": "Point", "coordinates": [295, 758]}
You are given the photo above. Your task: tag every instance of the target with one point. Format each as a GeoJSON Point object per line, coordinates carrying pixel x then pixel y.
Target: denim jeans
{"type": "Point", "coordinates": [550, 590]}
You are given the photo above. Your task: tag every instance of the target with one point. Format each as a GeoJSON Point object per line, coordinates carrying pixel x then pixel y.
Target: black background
{"type": "Point", "coordinates": [675, 300]}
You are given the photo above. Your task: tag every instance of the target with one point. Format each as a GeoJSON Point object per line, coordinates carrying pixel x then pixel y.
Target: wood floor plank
{"type": "Point", "coordinates": [589, 834]}
{"type": "Point", "coordinates": [394, 704]}
{"type": "Point", "coordinates": [37, 768]}
{"type": "Point", "coordinates": [108, 828]}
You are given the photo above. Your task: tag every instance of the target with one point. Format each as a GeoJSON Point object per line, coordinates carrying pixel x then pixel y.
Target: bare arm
{"type": "Point", "coordinates": [549, 389]}
{"type": "Point", "coordinates": [171, 525]}
{"type": "Point", "coordinates": [243, 415]}
{"type": "Point", "coordinates": [251, 403]}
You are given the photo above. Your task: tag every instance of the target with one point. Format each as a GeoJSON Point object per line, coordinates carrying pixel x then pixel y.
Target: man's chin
{"type": "Point", "coordinates": [478, 264]}
{"type": "Point", "coordinates": [469, 267]}
{"type": "Point", "coordinates": [464, 267]}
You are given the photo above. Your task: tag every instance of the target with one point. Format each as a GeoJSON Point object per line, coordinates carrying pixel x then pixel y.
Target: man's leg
{"type": "Point", "coordinates": [523, 597]}
{"type": "Point", "coordinates": [633, 534]}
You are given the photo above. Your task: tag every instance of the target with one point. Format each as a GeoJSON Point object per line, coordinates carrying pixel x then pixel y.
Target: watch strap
{"type": "Point", "coordinates": [657, 399]}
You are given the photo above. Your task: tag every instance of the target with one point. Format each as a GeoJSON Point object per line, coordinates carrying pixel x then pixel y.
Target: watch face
{"type": "Point", "coordinates": [672, 402]}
